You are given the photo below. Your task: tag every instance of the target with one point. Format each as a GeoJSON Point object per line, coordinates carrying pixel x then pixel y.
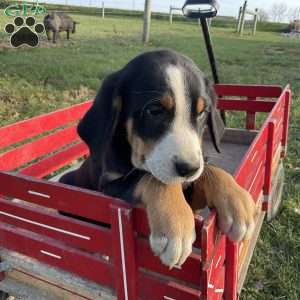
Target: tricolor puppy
{"type": "Point", "coordinates": [144, 134]}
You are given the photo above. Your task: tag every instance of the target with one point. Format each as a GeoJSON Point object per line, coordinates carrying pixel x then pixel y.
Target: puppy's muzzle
{"type": "Point", "coordinates": [186, 169]}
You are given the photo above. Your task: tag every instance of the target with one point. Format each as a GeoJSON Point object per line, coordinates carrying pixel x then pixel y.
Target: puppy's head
{"type": "Point", "coordinates": [155, 109]}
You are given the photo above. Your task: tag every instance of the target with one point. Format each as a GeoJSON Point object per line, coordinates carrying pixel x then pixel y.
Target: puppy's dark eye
{"type": "Point", "coordinates": [154, 110]}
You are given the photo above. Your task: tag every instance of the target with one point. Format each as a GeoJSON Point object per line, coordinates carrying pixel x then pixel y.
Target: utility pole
{"type": "Point", "coordinates": [147, 21]}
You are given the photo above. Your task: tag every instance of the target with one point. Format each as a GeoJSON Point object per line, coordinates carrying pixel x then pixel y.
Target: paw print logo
{"type": "Point", "coordinates": [24, 33]}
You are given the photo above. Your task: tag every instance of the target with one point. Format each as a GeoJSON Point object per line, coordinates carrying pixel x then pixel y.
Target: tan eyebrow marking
{"type": "Point", "coordinates": [200, 105]}
{"type": "Point", "coordinates": [167, 102]}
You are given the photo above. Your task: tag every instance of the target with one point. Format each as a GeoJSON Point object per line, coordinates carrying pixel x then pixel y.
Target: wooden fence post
{"type": "Point", "coordinates": [243, 18]}
{"type": "Point", "coordinates": [171, 15]}
{"type": "Point", "coordinates": [239, 20]}
{"type": "Point", "coordinates": [147, 21]}
{"type": "Point", "coordinates": [255, 21]}
{"type": "Point", "coordinates": [103, 10]}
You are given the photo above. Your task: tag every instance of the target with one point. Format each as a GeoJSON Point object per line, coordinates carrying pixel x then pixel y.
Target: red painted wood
{"type": "Point", "coordinates": [28, 152]}
{"type": "Point", "coordinates": [23, 130]}
{"type": "Point", "coordinates": [210, 237]}
{"type": "Point", "coordinates": [62, 197]}
{"type": "Point", "coordinates": [269, 159]}
{"type": "Point", "coordinates": [125, 269]}
{"type": "Point", "coordinates": [190, 271]}
{"type": "Point", "coordinates": [248, 90]}
{"type": "Point", "coordinates": [256, 188]}
{"type": "Point", "coordinates": [212, 266]}
{"type": "Point", "coordinates": [258, 143]}
{"type": "Point", "coordinates": [250, 174]}
{"type": "Point", "coordinates": [151, 287]}
{"type": "Point", "coordinates": [287, 105]}
{"type": "Point", "coordinates": [245, 105]}
{"type": "Point", "coordinates": [266, 205]}
{"type": "Point", "coordinates": [56, 161]}
{"type": "Point", "coordinates": [251, 116]}
{"type": "Point", "coordinates": [219, 253]}
{"type": "Point", "coordinates": [140, 222]}
{"type": "Point", "coordinates": [251, 167]}
{"type": "Point", "coordinates": [231, 270]}
{"type": "Point", "coordinates": [50, 224]}
{"type": "Point", "coordinates": [68, 259]}
{"type": "Point", "coordinates": [218, 284]}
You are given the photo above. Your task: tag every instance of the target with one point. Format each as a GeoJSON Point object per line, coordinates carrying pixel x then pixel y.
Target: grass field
{"type": "Point", "coordinates": [33, 81]}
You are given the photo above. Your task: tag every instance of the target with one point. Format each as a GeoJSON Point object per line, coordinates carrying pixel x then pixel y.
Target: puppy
{"type": "Point", "coordinates": [144, 132]}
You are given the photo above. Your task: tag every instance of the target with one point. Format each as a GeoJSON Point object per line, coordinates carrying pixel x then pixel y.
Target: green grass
{"type": "Point", "coordinates": [33, 81]}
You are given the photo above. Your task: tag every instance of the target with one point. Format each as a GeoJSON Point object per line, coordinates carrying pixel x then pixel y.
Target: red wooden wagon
{"type": "Point", "coordinates": [47, 255]}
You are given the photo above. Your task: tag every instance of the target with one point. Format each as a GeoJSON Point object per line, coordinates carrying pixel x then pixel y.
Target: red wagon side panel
{"type": "Point", "coordinates": [211, 272]}
{"type": "Point", "coordinates": [23, 130]}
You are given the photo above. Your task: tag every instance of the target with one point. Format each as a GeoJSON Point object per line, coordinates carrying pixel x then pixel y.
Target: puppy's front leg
{"type": "Point", "coordinates": [170, 218]}
{"type": "Point", "coordinates": [235, 206]}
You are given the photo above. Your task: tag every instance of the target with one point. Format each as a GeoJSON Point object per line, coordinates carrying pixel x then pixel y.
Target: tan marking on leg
{"type": "Point", "coordinates": [171, 220]}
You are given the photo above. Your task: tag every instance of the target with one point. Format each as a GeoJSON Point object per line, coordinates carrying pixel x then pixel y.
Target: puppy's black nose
{"type": "Point", "coordinates": [186, 169]}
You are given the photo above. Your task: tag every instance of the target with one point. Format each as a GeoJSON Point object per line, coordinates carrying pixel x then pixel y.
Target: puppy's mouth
{"type": "Point", "coordinates": [167, 178]}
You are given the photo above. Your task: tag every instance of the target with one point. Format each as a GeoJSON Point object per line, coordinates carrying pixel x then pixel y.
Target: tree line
{"type": "Point", "coordinates": [279, 12]}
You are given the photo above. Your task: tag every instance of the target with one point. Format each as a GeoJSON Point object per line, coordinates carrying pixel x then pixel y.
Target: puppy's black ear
{"type": "Point", "coordinates": [215, 123]}
{"type": "Point", "coordinates": [99, 124]}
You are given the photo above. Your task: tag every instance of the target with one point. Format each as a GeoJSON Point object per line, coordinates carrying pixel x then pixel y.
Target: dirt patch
{"type": "Point", "coordinates": [292, 34]}
{"type": "Point", "coordinates": [5, 45]}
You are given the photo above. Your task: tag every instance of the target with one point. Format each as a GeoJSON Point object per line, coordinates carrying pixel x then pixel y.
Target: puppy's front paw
{"type": "Point", "coordinates": [170, 218]}
{"type": "Point", "coordinates": [172, 235]}
{"type": "Point", "coordinates": [236, 212]}
{"type": "Point", "coordinates": [235, 206]}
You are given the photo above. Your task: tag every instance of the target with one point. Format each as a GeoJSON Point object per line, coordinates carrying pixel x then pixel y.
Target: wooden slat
{"type": "Point", "coordinates": [259, 142]}
{"type": "Point", "coordinates": [56, 161]}
{"type": "Point", "coordinates": [248, 90]}
{"type": "Point", "coordinates": [140, 222]}
{"type": "Point", "coordinates": [287, 104]}
{"type": "Point", "coordinates": [210, 237]}
{"type": "Point", "coordinates": [57, 255]}
{"type": "Point", "coordinates": [231, 270]}
{"type": "Point", "coordinates": [23, 130]}
{"type": "Point", "coordinates": [216, 284]}
{"type": "Point", "coordinates": [55, 277]}
{"type": "Point", "coordinates": [252, 166]}
{"type": "Point", "coordinates": [248, 252]}
{"type": "Point", "coordinates": [79, 234]}
{"type": "Point", "coordinates": [27, 286]}
{"type": "Point", "coordinates": [257, 186]}
{"type": "Point", "coordinates": [245, 105]}
{"type": "Point", "coordinates": [276, 160]}
{"type": "Point", "coordinates": [59, 196]}
{"type": "Point", "coordinates": [269, 159]}
{"type": "Point", "coordinates": [33, 150]}
{"type": "Point", "coordinates": [189, 272]}
{"type": "Point", "coordinates": [124, 252]}
{"type": "Point", "coordinates": [152, 287]}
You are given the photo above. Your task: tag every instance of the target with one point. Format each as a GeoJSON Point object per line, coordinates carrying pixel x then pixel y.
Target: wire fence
{"type": "Point", "coordinates": [133, 5]}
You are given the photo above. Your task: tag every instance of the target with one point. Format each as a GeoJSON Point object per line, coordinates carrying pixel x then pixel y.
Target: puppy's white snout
{"type": "Point", "coordinates": [186, 168]}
